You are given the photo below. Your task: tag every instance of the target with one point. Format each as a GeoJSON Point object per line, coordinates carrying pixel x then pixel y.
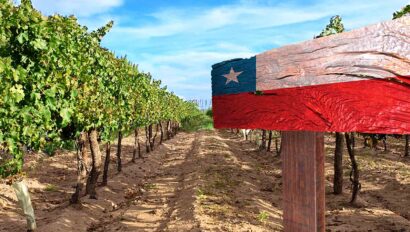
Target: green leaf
{"type": "Point", "coordinates": [22, 37]}
{"type": "Point", "coordinates": [2, 66]}
{"type": "Point", "coordinates": [50, 92]}
{"type": "Point", "coordinates": [17, 93]}
{"type": "Point", "coordinates": [74, 93]}
{"type": "Point", "coordinates": [46, 114]}
{"type": "Point", "coordinates": [65, 114]}
{"type": "Point", "coordinates": [39, 44]}
{"type": "Point", "coordinates": [404, 11]}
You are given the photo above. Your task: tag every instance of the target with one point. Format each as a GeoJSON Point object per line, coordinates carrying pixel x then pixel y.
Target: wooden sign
{"type": "Point", "coordinates": [353, 81]}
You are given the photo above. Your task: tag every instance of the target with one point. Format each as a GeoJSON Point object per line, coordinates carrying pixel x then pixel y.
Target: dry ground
{"type": "Point", "coordinates": [205, 181]}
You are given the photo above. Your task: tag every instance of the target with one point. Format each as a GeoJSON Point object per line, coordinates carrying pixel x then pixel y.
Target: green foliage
{"type": "Point", "coordinates": [263, 216]}
{"type": "Point", "coordinates": [58, 81]}
{"type": "Point", "coordinates": [51, 148]}
{"type": "Point", "coordinates": [200, 194]}
{"type": "Point", "coordinates": [405, 10]}
{"type": "Point", "coordinates": [68, 145]}
{"type": "Point", "coordinates": [258, 93]}
{"type": "Point", "coordinates": [209, 112]}
{"type": "Point", "coordinates": [150, 186]}
{"type": "Point", "coordinates": [198, 121]}
{"type": "Point", "coordinates": [335, 26]}
{"type": "Point", "coordinates": [51, 188]}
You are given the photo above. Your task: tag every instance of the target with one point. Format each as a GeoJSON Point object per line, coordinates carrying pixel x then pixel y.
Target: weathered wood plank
{"type": "Point", "coordinates": [303, 181]}
{"type": "Point", "coordinates": [374, 106]}
{"type": "Point", "coordinates": [377, 51]}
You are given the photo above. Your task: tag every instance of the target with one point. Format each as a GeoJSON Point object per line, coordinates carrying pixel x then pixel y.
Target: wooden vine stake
{"type": "Point", "coordinates": [303, 181]}
{"type": "Point", "coordinates": [356, 81]}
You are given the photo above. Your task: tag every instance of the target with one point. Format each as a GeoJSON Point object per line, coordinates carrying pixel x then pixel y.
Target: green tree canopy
{"type": "Point", "coordinates": [335, 26]}
{"type": "Point", "coordinates": [404, 11]}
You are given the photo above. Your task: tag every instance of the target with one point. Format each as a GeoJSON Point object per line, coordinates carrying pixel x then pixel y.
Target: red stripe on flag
{"type": "Point", "coordinates": [373, 106]}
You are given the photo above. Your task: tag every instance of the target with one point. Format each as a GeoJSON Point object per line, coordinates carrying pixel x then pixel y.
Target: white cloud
{"type": "Point", "coordinates": [253, 15]}
{"type": "Point", "coordinates": [195, 21]}
{"type": "Point", "coordinates": [80, 8]}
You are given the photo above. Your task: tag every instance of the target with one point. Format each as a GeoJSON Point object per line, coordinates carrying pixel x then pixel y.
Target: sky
{"type": "Point", "coordinates": [177, 41]}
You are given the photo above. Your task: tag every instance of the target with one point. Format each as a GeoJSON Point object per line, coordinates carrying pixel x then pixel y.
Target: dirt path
{"type": "Point", "coordinates": [204, 181]}
{"type": "Point", "coordinates": [168, 200]}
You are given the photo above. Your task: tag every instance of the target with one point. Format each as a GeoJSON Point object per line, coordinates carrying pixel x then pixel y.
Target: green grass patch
{"type": "Point", "coordinates": [149, 186]}
{"type": "Point", "coordinates": [51, 188]}
{"type": "Point", "coordinates": [263, 216]}
{"type": "Point", "coordinates": [198, 122]}
{"type": "Point", "coordinates": [200, 194]}
{"type": "Point", "coordinates": [51, 147]}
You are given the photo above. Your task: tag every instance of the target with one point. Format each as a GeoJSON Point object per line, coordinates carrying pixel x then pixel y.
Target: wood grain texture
{"type": "Point", "coordinates": [371, 106]}
{"type": "Point", "coordinates": [377, 51]}
{"type": "Point", "coordinates": [303, 181]}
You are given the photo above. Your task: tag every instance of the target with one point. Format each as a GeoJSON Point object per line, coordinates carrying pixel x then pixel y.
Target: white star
{"type": "Point", "coordinates": [232, 76]}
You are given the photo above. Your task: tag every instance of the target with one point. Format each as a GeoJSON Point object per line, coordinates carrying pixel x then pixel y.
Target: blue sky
{"type": "Point", "coordinates": [178, 41]}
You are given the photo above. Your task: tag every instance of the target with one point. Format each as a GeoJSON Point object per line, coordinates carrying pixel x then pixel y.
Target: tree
{"type": "Point", "coordinates": [336, 26]}
{"type": "Point", "coordinates": [263, 141]}
{"type": "Point", "coordinates": [354, 173]}
{"type": "Point", "coordinates": [338, 165]}
{"type": "Point", "coordinates": [404, 11]}
{"type": "Point", "coordinates": [269, 141]}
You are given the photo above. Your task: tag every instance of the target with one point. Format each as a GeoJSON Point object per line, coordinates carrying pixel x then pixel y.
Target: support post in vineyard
{"type": "Point", "coordinates": [356, 81]}
{"type": "Point", "coordinates": [137, 147]}
{"type": "Point", "coordinates": [168, 129]}
{"type": "Point", "coordinates": [303, 168]}
{"type": "Point", "coordinates": [162, 133]}
{"type": "Point", "coordinates": [119, 148]}
{"type": "Point", "coordinates": [263, 141]}
{"type": "Point", "coordinates": [150, 138]}
{"type": "Point", "coordinates": [106, 163]}
{"type": "Point", "coordinates": [147, 140]}
{"type": "Point", "coordinates": [338, 165]}
{"type": "Point", "coordinates": [278, 147]}
{"type": "Point", "coordinates": [269, 141]}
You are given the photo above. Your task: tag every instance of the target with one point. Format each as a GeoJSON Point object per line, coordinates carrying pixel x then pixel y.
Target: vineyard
{"type": "Point", "coordinates": [58, 82]}
{"type": "Point", "coordinates": [60, 88]}
{"type": "Point", "coordinates": [88, 142]}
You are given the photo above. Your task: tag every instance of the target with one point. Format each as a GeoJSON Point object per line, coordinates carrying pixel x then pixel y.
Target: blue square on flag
{"type": "Point", "coordinates": [234, 76]}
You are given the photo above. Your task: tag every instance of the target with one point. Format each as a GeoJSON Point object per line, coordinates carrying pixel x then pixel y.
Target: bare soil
{"type": "Point", "coordinates": [206, 181]}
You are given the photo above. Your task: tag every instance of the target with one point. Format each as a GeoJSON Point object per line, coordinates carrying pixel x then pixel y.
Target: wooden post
{"type": "Point", "coordinates": [303, 181]}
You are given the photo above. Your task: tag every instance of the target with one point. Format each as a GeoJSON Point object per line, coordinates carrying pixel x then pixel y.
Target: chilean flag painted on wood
{"type": "Point", "coordinates": [353, 81]}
